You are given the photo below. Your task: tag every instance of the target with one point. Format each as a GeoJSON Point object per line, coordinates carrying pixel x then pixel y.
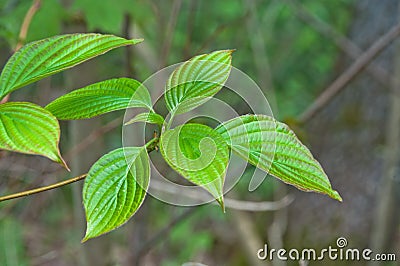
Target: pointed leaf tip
{"type": "Point", "coordinates": [335, 195]}
{"type": "Point", "coordinates": [273, 147]}
{"type": "Point", "coordinates": [61, 52]}
{"type": "Point", "coordinates": [63, 163]}
{"type": "Point", "coordinates": [199, 154]}
{"type": "Point", "coordinates": [30, 129]}
{"type": "Point", "coordinates": [195, 81]}
{"type": "Point", "coordinates": [112, 195]}
{"type": "Point", "coordinates": [100, 98]}
{"type": "Point", "coordinates": [136, 41]}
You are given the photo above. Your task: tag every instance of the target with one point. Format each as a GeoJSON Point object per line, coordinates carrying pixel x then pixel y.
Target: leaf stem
{"type": "Point", "coordinates": [153, 144]}
{"type": "Point", "coordinates": [169, 124]}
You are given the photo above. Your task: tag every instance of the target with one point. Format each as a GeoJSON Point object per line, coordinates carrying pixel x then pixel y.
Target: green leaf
{"type": "Point", "coordinates": [99, 98]}
{"type": "Point", "coordinates": [151, 118]}
{"type": "Point", "coordinates": [273, 147]}
{"type": "Point", "coordinates": [114, 189]}
{"type": "Point", "coordinates": [199, 154]}
{"type": "Point", "coordinates": [30, 129]}
{"type": "Point", "coordinates": [196, 80]}
{"type": "Point", "coordinates": [43, 58]}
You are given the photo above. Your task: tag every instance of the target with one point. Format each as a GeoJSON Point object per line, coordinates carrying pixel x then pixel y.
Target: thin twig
{"type": "Point", "coordinates": [191, 17]}
{"type": "Point", "coordinates": [92, 137]}
{"type": "Point", "coordinates": [259, 206]}
{"type": "Point", "coordinates": [176, 6]}
{"type": "Point", "coordinates": [128, 50]}
{"type": "Point", "coordinates": [345, 44]}
{"type": "Point", "coordinates": [26, 23]}
{"type": "Point", "coordinates": [355, 69]}
{"type": "Point", "coordinates": [42, 189]}
{"type": "Point", "coordinates": [230, 203]}
{"type": "Point", "coordinates": [150, 147]}
{"type": "Point", "coordinates": [258, 44]}
{"type": "Point", "coordinates": [23, 32]}
{"type": "Point", "coordinates": [220, 29]}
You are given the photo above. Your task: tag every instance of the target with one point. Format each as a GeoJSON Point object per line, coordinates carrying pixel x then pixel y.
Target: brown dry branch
{"type": "Point", "coordinates": [345, 44]}
{"type": "Point", "coordinates": [348, 75]}
{"type": "Point", "coordinates": [27, 22]}
{"type": "Point", "coordinates": [219, 30]}
{"type": "Point", "coordinates": [176, 7]}
{"type": "Point", "coordinates": [230, 203]}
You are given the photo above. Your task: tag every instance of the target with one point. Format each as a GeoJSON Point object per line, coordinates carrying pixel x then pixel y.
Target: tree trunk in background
{"type": "Point", "coordinates": [348, 137]}
{"type": "Point", "coordinates": [387, 213]}
{"type": "Point", "coordinates": [249, 239]}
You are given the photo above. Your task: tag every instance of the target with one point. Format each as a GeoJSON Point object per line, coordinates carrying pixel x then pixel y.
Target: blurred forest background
{"type": "Point", "coordinates": [329, 70]}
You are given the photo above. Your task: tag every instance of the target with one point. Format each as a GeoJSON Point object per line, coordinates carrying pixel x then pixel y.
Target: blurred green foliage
{"type": "Point", "coordinates": [12, 246]}
{"type": "Point", "coordinates": [301, 61]}
{"type": "Point", "coordinates": [200, 242]}
{"type": "Point", "coordinates": [107, 16]}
